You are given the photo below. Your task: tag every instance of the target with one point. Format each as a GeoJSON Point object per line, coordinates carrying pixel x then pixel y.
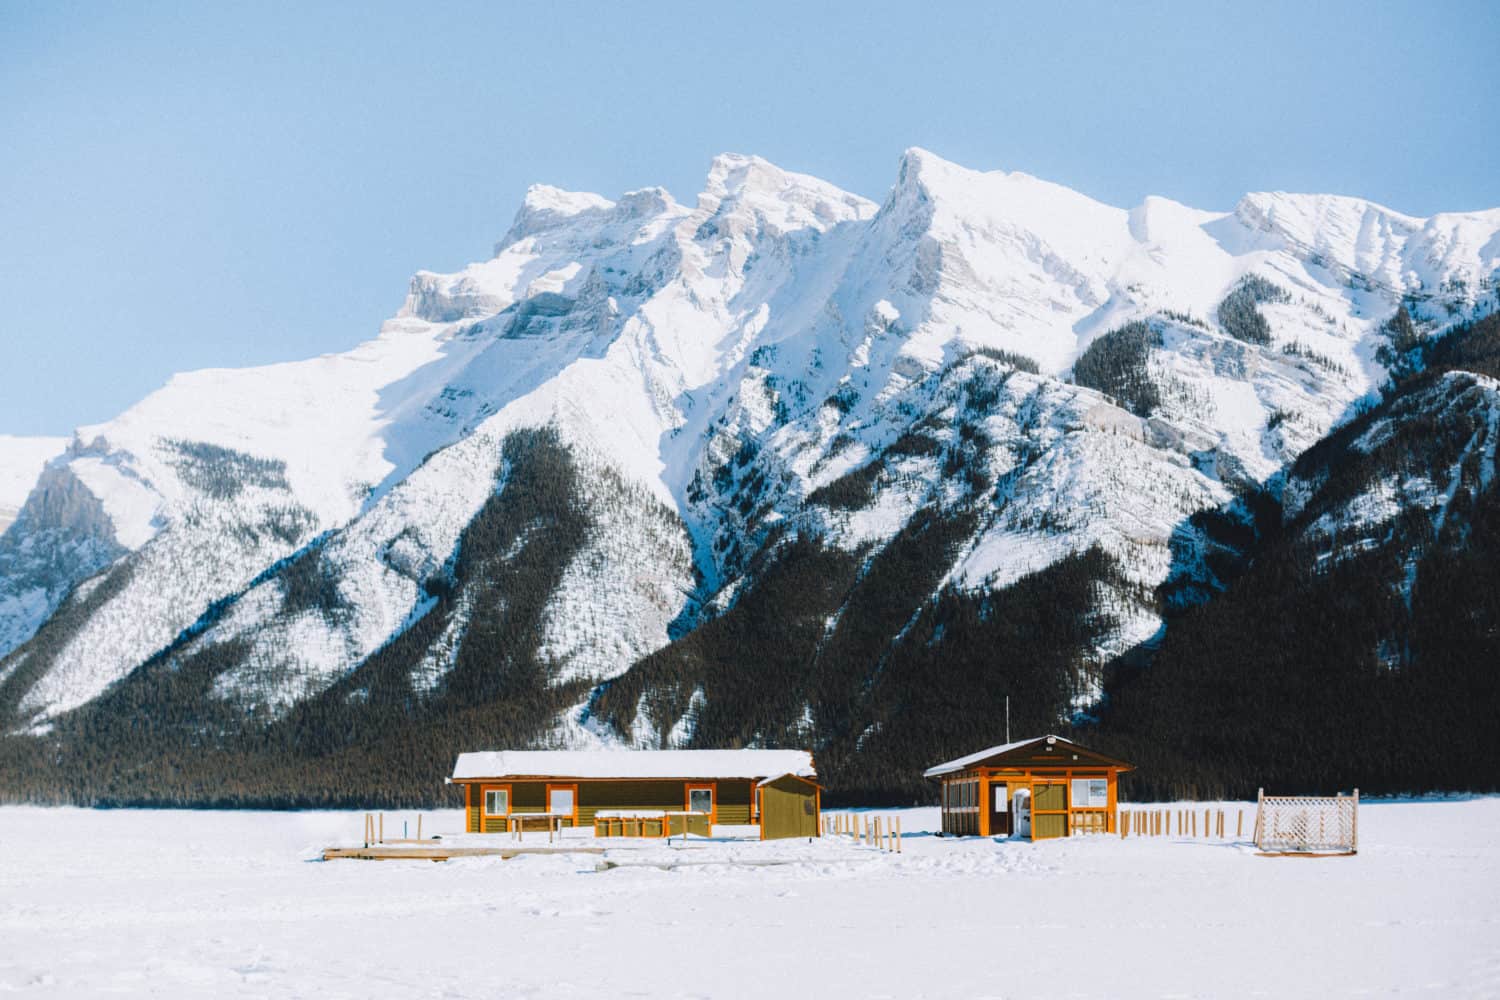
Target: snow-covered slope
{"type": "Point", "coordinates": [716, 372]}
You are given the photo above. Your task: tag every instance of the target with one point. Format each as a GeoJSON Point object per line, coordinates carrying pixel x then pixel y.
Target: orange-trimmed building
{"type": "Point", "coordinates": [641, 792]}
{"type": "Point", "coordinates": [1037, 788]}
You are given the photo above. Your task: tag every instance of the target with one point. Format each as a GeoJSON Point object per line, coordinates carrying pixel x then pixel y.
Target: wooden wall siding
{"type": "Point", "coordinates": [789, 808]}
{"type": "Point", "coordinates": [528, 796]}
{"type": "Point", "coordinates": [1049, 825]}
{"type": "Point", "coordinates": [731, 800]}
{"type": "Point", "coordinates": [596, 795]}
{"type": "Point", "coordinates": [1049, 798]}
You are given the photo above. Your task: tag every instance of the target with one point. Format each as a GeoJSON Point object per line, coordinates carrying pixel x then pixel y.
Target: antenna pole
{"type": "Point", "coordinates": [1007, 718]}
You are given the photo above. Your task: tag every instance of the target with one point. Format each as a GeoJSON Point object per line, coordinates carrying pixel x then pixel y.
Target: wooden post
{"type": "Point", "coordinates": [419, 826]}
{"type": "Point", "coordinates": [898, 834]}
{"type": "Point", "coordinates": [382, 828]}
{"type": "Point", "coordinates": [1239, 824]}
{"type": "Point", "coordinates": [1260, 802]}
{"type": "Point", "coordinates": [879, 844]}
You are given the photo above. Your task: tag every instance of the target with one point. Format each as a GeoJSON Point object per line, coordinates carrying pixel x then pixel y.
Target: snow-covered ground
{"type": "Point", "coordinates": [172, 903]}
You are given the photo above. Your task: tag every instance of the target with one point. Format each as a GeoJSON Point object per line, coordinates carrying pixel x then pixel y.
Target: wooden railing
{"type": "Point", "coordinates": [881, 832]}
{"type": "Point", "coordinates": [1182, 822]}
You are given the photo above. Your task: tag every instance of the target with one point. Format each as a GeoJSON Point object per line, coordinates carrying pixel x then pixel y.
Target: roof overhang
{"type": "Point", "coordinates": [996, 756]}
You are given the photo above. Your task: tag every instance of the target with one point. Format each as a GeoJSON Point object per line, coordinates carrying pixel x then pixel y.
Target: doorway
{"type": "Point", "coordinates": [1020, 812]}
{"type": "Point", "coordinates": [999, 807]}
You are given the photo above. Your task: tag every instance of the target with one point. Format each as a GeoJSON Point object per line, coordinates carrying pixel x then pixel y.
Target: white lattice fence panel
{"type": "Point", "coordinates": [1308, 823]}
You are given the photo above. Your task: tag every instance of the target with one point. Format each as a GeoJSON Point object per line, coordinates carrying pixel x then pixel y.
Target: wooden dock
{"type": "Point", "coordinates": [437, 852]}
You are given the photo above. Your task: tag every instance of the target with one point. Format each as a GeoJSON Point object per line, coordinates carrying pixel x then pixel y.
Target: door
{"type": "Point", "coordinates": [1020, 810]}
{"type": "Point", "coordinates": [702, 800]}
{"type": "Point", "coordinates": [999, 807]}
{"type": "Point", "coordinates": [1049, 809]}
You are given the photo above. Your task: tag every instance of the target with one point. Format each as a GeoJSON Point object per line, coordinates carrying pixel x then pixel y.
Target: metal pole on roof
{"type": "Point", "coordinates": [1007, 718]}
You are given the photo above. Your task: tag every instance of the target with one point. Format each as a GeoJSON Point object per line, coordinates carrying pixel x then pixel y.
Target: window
{"type": "Point", "coordinates": [1090, 793]}
{"type": "Point", "coordinates": [1002, 800]}
{"type": "Point", "coordinates": [496, 801]}
{"type": "Point", "coordinates": [560, 799]}
{"type": "Point", "coordinates": [700, 799]}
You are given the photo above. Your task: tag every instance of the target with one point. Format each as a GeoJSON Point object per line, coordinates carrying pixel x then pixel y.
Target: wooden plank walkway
{"type": "Point", "coordinates": [386, 852]}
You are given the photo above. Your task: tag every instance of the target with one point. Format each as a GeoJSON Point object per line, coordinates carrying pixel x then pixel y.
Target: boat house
{"type": "Point", "coordinates": [772, 793]}
{"type": "Point", "coordinates": [1038, 788]}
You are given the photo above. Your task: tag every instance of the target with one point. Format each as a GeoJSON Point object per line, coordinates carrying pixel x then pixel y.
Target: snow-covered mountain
{"type": "Point", "coordinates": [21, 461]}
{"type": "Point", "coordinates": [686, 390]}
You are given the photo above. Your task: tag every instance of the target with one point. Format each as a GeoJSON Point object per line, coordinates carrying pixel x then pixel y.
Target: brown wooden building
{"type": "Point", "coordinates": [642, 792]}
{"type": "Point", "coordinates": [1037, 788]}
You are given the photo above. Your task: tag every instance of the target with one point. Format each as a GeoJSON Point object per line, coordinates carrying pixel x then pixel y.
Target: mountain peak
{"type": "Point", "coordinates": [546, 206]}
{"type": "Point", "coordinates": [783, 198]}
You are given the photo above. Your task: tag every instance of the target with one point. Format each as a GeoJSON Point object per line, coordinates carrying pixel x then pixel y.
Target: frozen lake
{"type": "Point", "coordinates": [179, 903]}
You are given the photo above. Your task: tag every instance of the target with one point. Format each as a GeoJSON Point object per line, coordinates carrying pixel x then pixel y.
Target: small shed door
{"type": "Point", "coordinates": [1049, 809]}
{"type": "Point", "coordinates": [999, 806]}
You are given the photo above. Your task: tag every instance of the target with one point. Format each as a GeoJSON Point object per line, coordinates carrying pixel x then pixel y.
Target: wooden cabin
{"type": "Point", "coordinates": [1037, 788]}
{"type": "Point", "coordinates": [772, 793]}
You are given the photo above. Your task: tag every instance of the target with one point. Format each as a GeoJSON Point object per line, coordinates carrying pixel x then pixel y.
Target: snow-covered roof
{"type": "Point", "coordinates": [633, 764]}
{"type": "Point", "coordinates": [974, 758]}
{"type": "Point", "coordinates": [784, 774]}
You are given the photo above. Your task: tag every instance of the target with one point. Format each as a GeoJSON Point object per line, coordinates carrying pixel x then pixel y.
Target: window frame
{"type": "Point", "coordinates": [484, 801]}
{"type": "Point", "coordinates": [712, 787]}
{"type": "Point", "coordinates": [1088, 783]}
{"type": "Point", "coordinates": [560, 786]}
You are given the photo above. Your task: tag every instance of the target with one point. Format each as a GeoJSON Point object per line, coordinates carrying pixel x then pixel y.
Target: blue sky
{"type": "Point", "coordinates": [196, 185]}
